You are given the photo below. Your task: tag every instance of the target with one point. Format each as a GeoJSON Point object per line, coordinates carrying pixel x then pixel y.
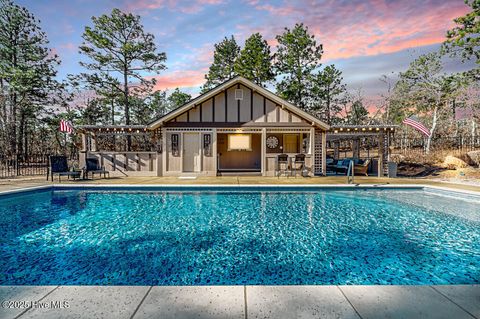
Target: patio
{"type": "Point", "coordinates": [459, 301]}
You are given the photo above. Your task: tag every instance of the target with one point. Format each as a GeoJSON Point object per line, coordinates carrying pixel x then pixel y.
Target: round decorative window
{"type": "Point", "coordinates": [272, 142]}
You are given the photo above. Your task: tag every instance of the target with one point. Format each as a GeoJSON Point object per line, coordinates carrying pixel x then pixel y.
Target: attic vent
{"type": "Point", "coordinates": [238, 94]}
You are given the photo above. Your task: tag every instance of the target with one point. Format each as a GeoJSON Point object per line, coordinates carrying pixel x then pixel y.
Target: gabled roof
{"type": "Point", "coordinates": [220, 88]}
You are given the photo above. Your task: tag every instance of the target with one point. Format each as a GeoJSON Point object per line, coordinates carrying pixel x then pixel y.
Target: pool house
{"type": "Point", "coordinates": [236, 128]}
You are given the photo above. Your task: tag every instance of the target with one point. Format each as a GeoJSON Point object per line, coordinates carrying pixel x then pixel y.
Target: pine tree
{"type": "Point", "coordinates": [297, 57]}
{"type": "Point", "coordinates": [222, 68]}
{"type": "Point", "coordinates": [119, 49]}
{"type": "Point", "coordinates": [328, 91]}
{"type": "Point", "coordinates": [27, 73]}
{"type": "Point", "coordinates": [177, 98]}
{"type": "Point", "coordinates": [255, 61]}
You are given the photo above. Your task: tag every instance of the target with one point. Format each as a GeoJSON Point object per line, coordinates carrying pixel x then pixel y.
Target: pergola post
{"type": "Point", "coordinates": [336, 149]}
{"type": "Point", "coordinates": [82, 155]}
{"type": "Point", "coordinates": [165, 150]}
{"type": "Point", "coordinates": [356, 148]}
{"type": "Point", "coordinates": [94, 142]}
{"type": "Point", "coordinates": [324, 153]}
{"type": "Point", "coordinates": [381, 154]}
{"type": "Point", "coordinates": [264, 150]}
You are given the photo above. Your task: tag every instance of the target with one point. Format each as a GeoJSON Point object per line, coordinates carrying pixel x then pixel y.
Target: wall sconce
{"type": "Point", "coordinates": [174, 141]}
{"type": "Point", "coordinates": [207, 145]}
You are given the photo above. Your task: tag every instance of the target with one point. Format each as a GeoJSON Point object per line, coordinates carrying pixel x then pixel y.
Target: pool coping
{"type": "Point", "coordinates": [229, 186]}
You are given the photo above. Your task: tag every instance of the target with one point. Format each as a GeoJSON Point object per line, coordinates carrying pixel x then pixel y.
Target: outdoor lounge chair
{"type": "Point", "coordinates": [59, 165]}
{"type": "Point", "coordinates": [283, 165]}
{"type": "Point", "coordinates": [362, 168]}
{"type": "Point", "coordinates": [298, 164]}
{"type": "Point", "coordinates": [94, 167]}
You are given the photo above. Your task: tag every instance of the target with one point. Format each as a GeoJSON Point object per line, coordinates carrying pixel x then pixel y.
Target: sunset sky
{"type": "Point", "coordinates": [364, 39]}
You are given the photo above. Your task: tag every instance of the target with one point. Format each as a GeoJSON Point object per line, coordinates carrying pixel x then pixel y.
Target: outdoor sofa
{"type": "Point", "coordinates": [341, 166]}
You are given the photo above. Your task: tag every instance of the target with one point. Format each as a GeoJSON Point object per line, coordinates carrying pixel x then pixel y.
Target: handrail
{"type": "Point", "coordinates": [350, 172]}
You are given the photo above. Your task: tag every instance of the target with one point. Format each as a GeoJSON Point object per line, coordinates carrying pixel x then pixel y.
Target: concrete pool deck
{"type": "Point", "coordinates": [444, 301]}
{"type": "Point", "coordinates": [365, 302]}
{"type": "Point", "coordinates": [19, 183]}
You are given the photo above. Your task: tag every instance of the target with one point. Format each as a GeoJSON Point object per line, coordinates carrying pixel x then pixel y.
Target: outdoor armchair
{"type": "Point", "coordinates": [59, 165]}
{"type": "Point", "coordinates": [362, 168]}
{"type": "Point", "coordinates": [94, 167]}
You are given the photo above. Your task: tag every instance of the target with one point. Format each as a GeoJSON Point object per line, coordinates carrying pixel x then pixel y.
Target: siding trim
{"type": "Point", "coordinates": [213, 109]}
{"type": "Point", "coordinates": [265, 109]}
{"type": "Point", "coordinates": [226, 108]}
{"type": "Point", "coordinates": [238, 106]}
{"type": "Point", "coordinates": [251, 104]}
{"type": "Point", "coordinates": [201, 107]}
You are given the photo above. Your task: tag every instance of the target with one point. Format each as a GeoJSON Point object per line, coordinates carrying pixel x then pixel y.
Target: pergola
{"type": "Point", "coordinates": [91, 133]}
{"type": "Point", "coordinates": [354, 134]}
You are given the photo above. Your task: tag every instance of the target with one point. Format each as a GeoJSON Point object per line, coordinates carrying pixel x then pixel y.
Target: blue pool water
{"type": "Point", "coordinates": [243, 236]}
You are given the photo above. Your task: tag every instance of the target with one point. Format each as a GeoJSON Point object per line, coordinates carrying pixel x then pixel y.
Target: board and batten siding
{"type": "Point", "coordinates": [254, 109]}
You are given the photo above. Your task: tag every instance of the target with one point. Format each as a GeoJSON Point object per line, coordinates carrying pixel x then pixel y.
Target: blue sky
{"type": "Point", "coordinates": [364, 39]}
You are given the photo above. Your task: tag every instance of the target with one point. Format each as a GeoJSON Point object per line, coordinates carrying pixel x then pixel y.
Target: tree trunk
{"type": "Point", "coordinates": [432, 130]}
{"type": "Point", "coordinates": [25, 139]}
{"type": "Point", "coordinates": [127, 107]}
{"type": "Point", "coordinates": [13, 106]}
{"type": "Point", "coordinates": [21, 133]}
{"type": "Point", "coordinates": [13, 124]}
{"type": "Point", "coordinates": [474, 131]}
{"type": "Point", "coordinates": [114, 142]}
{"type": "Point", "coordinates": [328, 107]}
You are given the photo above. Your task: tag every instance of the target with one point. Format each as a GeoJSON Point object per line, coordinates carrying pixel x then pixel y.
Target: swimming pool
{"type": "Point", "coordinates": [237, 236]}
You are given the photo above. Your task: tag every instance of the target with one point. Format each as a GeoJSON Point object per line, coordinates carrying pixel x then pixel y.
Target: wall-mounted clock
{"type": "Point", "coordinates": [272, 142]}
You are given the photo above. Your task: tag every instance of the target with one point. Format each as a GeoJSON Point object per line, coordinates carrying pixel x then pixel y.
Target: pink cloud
{"type": "Point", "coordinates": [278, 11]}
{"type": "Point", "coordinates": [210, 1]}
{"type": "Point", "coordinates": [180, 79]}
{"type": "Point", "coordinates": [188, 7]}
{"type": "Point", "coordinates": [68, 46]}
{"type": "Point", "coordinates": [354, 28]}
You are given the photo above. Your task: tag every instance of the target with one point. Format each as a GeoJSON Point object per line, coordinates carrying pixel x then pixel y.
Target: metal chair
{"type": "Point", "coordinates": [298, 164]}
{"type": "Point", "coordinates": [283, 165]}
{"type": "Point", "coordinates": [93, 166]}
{"type": "Point", "coordinates": [59, 165]}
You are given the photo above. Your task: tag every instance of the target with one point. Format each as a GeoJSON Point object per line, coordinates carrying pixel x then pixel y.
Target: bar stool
{"type": "Point", "coordinates": [298, 164]}
{"type": "Point", "coordinates": [282, 165]}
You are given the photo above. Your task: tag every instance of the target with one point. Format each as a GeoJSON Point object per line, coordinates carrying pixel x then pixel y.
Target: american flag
{"type": "Point", "coordinates": [416, 124]}
{"type": "Point", "coordinates": [66, 126]}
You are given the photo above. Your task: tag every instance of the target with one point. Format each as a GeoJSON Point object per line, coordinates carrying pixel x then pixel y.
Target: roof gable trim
{"type": "Point", "coordinates": [226, 85]}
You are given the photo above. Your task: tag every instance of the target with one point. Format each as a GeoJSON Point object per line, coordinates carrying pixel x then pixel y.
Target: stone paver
{"type": "Point", "coordinates": [466, 296]}
{"type": "Point", "coordinates": [20, 294]}
{"type": "Point", "coordinates": [302, 302]}
{"type": "Point", "coordinates": [193, 302]}
{"type": "Point", "coordinates": [401, 302]}
{"type": "Point", "coordinates": [452, 301]}
{"type": "Point", "coordinates": [91, 302]}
